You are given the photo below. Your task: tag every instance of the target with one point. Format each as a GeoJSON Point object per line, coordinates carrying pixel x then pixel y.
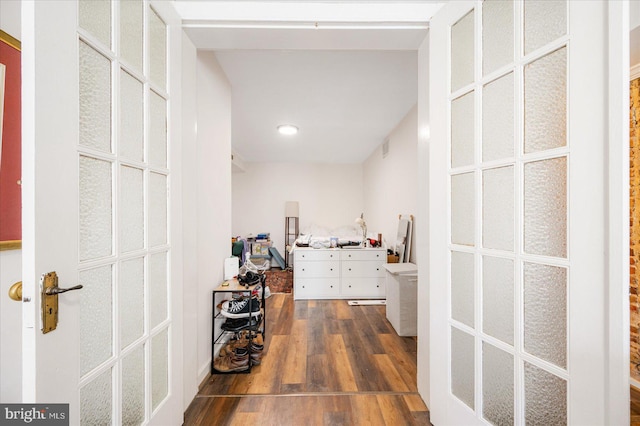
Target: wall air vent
{"type": "Point", "coordinates": [385, 148]}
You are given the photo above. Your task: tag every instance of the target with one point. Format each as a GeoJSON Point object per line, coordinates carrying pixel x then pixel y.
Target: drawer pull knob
{"type": "Point", "coordinates": [331, 286]}
{"type": "Point", "coordinates": [349, 285]}
{"type": "Point", "coordinates": [349, 268]}
{"type": "Point", "coordinates": [377, 269]}
{"type": "Point", "coordinates": [303, 269]}
{"type": "Point", "coordinates": [378, 286]}
{"type": "Point", "coordinates": [332, 269]}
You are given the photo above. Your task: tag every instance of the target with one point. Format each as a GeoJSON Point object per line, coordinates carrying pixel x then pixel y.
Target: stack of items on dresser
{"type": "Point", "coordinates": [243, 316]}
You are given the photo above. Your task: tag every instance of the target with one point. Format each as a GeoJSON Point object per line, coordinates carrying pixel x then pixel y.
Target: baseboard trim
{"type": "Point", "coordinates": [203, 383]}
{"type": "Point", "coordinates": [205, 371]}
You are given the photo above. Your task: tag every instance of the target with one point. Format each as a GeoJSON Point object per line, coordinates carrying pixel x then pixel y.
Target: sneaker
{"type": "Point", "coordinates": [241, 308]}
{"type": "Point", "coordinates": [237, 324]}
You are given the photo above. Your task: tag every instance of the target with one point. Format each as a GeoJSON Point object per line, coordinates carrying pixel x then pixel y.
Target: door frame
{"type": "Point", "coordinates": [617, 299]}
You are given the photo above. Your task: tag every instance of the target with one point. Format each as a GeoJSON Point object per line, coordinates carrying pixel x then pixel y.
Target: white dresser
{"type": "Point", "coordinates": [339, 273]}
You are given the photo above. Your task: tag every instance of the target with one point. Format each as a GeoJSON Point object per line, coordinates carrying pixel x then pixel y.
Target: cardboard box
{"type": "Point", "coordinates": [392, 258]}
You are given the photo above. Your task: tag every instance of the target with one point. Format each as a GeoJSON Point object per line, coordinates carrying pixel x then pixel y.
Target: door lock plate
{"type": "Point", "coordinates": [49, 302]}
{"type": "Point", "coordinates": [49, 292]}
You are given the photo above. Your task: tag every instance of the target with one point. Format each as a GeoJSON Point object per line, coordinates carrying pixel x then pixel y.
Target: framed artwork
{"type": "Point", "coordinates": [10, 144]}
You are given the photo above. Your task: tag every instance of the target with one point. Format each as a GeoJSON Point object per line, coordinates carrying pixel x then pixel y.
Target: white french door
{"type": "Point", "coordinates": [99, 173]}
{"type": "Point", "coordinates": [517, 202]}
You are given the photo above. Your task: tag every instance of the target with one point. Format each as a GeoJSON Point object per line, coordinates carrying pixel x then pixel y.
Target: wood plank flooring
{"type": "Point", "coordinates": [635, 406]}
{"type": "Point", "coordinates": [325, 363]}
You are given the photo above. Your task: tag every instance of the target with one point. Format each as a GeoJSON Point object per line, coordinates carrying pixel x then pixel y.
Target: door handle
{"type": "Point", "coordinates": [49, 291]}
{"type": "Point", "coordinates": [15, 291]}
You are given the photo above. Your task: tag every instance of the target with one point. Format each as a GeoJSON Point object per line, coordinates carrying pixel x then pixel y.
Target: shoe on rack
{"type": "Point", "coordinates": [235, 360]}
{"type": "Point", "coordinates": [241, 308]}
{"type": "Point", "coordinates": [237, 324]}
{"type": "Point", "coordinates": [256, 358]}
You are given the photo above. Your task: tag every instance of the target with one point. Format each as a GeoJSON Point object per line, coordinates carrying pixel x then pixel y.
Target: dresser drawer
{"type": "Point", "coordinates": [316, 288]}
{"type": "Point", "coordinates": [365, 268]}
{"type": "Point", "coordinates": [363, 287]}
{"type": "Point", "coordinates": [363, 254]}
{"type": "Point", "coordinates": [316, 254]}
{"type": "Point", "coordinates": [328, 269]}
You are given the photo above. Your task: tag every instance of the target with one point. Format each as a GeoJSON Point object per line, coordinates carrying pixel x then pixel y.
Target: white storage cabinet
{"type": "Point", "coordinates": [339, 273]}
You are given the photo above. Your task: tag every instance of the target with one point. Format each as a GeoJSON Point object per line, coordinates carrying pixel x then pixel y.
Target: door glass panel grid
{"type": "Point", "coordinates": [518, 162]}
{"type": "Point", "coordinates": [156, 53]}
{"type": "Point", "coordinates": [95, 19]}
{"type": "Point", "coordinates": [114, 363]}
{"type": "Point", "coordinates": [544, 21]}
{"type": "Point", "coordinates": [131, 29]}
{"type": "Point", "coordinates": [159, 358]}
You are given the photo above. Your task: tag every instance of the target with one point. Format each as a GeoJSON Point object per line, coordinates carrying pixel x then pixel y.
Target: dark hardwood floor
{"type": "Point", "coordinates": [325, 363]}
{"type": "Point", "coordinates": [635, 407]}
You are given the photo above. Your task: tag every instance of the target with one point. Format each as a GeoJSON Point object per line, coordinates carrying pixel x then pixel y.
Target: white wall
{"type": "Point", "coordinates": [390, 183]}
{"type": "Point", "coordinates": [10, 271]}
{"type": "Point", "coordinates": [10, 17]}
{"type": "Point", "coordinates": [212, 189]}
{"type": "Point", "coordinates": [10, 328]}
{"type": "Point", "coordinates": [330, 195]}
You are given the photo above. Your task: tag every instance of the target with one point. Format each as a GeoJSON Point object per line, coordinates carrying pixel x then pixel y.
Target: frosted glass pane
{"type": "Point", "coordinates": [95, 317]}
{"type": "Point", "coordinates": [462, 133]}
{"type": "Point", "coordinates": [498, 132]}
{"type": "Point", "coordinates": [131, 117]}
{"type": "Point", "coordinates": [545, 397]}
{"type": "Point", "coordinates": [498, 298]}
{"type": "Point", "coordinates": [95, 17]}
{"type": "Point", "coordinates": [545, 102]}
{"type": "Point", "coordinates": [462, 209]}
{"type": "Point", "coordinates": [545, 207]}
{"type": "Point", "coordinates": [159, 368]}
{"type": "Point", "coordinates": [462, 288]}
{"type": "Point", "coordinates": [131, 18]}
{"type": "Point", "coordinates": [157, 49]}
{"type": "Point", "coordinates": [498, 208]}
{"type": "Point", "coordinates": [158, 131]}
{"type": "Point", "coordinates": [95, 208]}
{"type": "Point", "coordinates": [94, 99]}
{"type": "Point", "coordinates": [545, 312]}
{"type": "Point", "coordinates": [462, 366]}
{"type": "Point", "coordinates": [462, 52]}
{"type": "Point", "coordinates": [131, 300]}
{"type": "Point", "coordinates": [133, 395]}
{"type": "Point", "coordinates": [497, 34]}
{"type": "Point", "coordinates": [96, 401]}
{"type": "Point", "coordinates": [497, 385]}
{"type": "Point", "coordinates": [131, 209]}
{"type": "Point", "coordinates": [544, 22]}
{"type": "Point", "coordinates": [157, 209]}
{"type": "Point", "coordinates": [158, 288]}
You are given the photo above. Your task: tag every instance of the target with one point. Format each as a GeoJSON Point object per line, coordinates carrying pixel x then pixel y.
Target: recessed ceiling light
{"type": "Point", "coordinates": [287, 129]}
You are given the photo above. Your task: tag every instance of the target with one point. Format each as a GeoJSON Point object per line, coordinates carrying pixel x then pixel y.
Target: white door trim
{"type": "Point", "coordinates": [618, 356]}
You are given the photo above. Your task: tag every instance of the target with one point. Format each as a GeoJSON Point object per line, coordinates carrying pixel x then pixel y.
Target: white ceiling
{"type": "Point", "coordinates": [344, 102]}
{"type": "Point", "coordinates": [345, 80]}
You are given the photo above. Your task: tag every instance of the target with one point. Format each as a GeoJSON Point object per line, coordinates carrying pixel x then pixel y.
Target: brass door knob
{"type": "Point", "coordinates": [15, 291]}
